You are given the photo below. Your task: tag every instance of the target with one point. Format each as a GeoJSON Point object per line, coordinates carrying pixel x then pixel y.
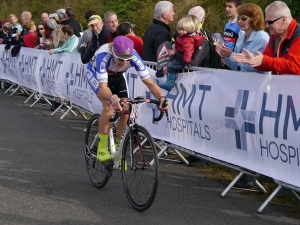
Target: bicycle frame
{"type": "Point", "coordinates": [116, 153]}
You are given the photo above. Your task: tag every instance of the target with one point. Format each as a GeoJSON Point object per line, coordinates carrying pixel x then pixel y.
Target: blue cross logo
{"type": "Point", "coordinates": [240, 119]}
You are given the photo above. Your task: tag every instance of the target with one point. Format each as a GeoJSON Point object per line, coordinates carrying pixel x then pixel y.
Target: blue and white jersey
{"type": "Point", "coordinates": [103, 65]}
{"type": "Point", "coordinates": [231, 33]}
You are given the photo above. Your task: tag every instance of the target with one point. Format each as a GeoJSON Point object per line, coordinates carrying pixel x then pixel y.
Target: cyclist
{"type": "Point", "coordinates": [106, 77]}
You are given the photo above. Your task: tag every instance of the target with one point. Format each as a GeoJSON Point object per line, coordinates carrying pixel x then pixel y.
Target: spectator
{"type": "Point", "coordinates": [61, 17]}
{"type": "Point", "coordinates": [87, 34]}
{"type": "Point", "coordinates": [126, 29]}
{"type": "Point", "coordinates": [44, 17]}
{"type": "Point", "coordinates": [187, 41]}
{"type": "Point", "coordinates": [50, 25]}
{"type": "Point", "coordinates": [158, 31]}
{"type": "Point", "coordinates": [9, 36]}
{"type": "Point", "coordinates": [14, 23]}
{"type": "Point", "coordinates": [72, 22]}
{"type": "Point", "coordinates": [100, 31]}
{"type": "Point", "coordinates": [254, 38]}
{"type": "Point", "coordinates": [24, 17]}
{"type": "Point", "coordinates": [206, 56]}
{"type": "Point", "coordinates": [199, 12]}
{"type": "Point", "coordinates": [58, 37]}
{"type": "Point", "coordinates": [231, 28]}
{"type": "Point", "coordinates": [111, 21]}
{"type": "Point", "coordinates": [71, 43]}
{"type": "Point", "coordinates": [281, 55]}
{"type": "Point", "coordinates": [1, 31]}
{"type": "Point", "coordinates": [41, 36]}
{"type": "Point", "coordinates": [30, 38]}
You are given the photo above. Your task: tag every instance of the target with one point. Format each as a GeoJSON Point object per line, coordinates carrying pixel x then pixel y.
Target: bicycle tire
{"type": "Point", "coordinates": [97, 171]}
{"type": "Point", "coordinates": [140, 178]}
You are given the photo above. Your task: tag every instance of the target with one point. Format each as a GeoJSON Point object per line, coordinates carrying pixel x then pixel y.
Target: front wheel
{"type": "Point", "coordinates": [139, 168]}
{"type": "Point", "coordinates": [97, 171]}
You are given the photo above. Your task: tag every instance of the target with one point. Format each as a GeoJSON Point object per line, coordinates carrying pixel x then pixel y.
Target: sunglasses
{"type": "Point", "coordinates": [243, 18]}
{"type": "Point", "coordinates": [272, 21]}
{"type": "Point", "coordinates": [93, 18]}
{"type": "Point", "coordinates": [120, 59]}
{"type": "Point", "coordinates": [40, 28]}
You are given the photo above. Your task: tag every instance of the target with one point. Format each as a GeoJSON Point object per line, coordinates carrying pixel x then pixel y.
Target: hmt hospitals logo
{"type": "Point", "coordinates": [240, 119]}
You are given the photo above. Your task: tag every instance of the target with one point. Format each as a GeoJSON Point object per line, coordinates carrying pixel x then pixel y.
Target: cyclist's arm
{"type": "Point", "coordinates": [156, 91]}
{"type": "Point", "coordinates": [104, 94]}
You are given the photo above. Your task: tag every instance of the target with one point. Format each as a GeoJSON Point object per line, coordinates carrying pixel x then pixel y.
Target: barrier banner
{"type": "Point", "coordinates": [247, 119]}
{"type": "Point", "coordinates": [75, 86]}
{"type": "Point", "coordinates": [9, 66]}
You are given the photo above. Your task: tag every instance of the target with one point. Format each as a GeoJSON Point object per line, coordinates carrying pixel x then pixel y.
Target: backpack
{"type": "Point", "coordinates": [215, 59]}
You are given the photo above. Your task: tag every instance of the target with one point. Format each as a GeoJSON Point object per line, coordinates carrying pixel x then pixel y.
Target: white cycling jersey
{"type": "Point", "coordinates": [103, 65]}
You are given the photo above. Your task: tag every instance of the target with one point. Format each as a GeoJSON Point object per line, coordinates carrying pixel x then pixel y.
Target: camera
{"type": "Point", "coordinates": [14, 32]}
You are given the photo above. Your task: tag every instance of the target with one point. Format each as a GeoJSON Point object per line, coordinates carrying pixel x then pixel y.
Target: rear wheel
{"type": "Point", "coordinates": [140, 175]}
{"type": "Point", "coordinates": [97, 171]}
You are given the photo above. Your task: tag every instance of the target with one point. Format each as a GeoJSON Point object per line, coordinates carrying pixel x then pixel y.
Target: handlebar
{"type": "Point", "coordinates": [139, 100]}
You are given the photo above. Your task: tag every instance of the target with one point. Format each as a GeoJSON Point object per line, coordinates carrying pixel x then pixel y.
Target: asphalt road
{"type": "Point", "coordinates": [43, 180]}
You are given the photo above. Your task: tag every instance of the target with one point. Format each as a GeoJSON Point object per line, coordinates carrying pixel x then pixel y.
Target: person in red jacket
{"type": "Point", "coordinates": [281, 55]}
{"type": "Point", "coordinates": [186, 43]}
{"type": "Point", "coordinates": [29, 39]}
{"type": "Point", "coordinates": [126, 29]}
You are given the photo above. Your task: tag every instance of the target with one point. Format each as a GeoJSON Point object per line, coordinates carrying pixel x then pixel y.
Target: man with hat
{"type": "Point", "coordinates": [106, 77]}
{"type": "Point", "coordinates": [100, 31]}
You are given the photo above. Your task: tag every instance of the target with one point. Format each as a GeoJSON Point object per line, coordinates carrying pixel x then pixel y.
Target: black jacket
{"type": "Point", "coordinates": [9, 39]}
{"type": "Point", "coordinates": [76, 25]}
{"type": "Point", "coordinates": [97, 41]}
{"type": "Point", "coordinates": [156, 33]}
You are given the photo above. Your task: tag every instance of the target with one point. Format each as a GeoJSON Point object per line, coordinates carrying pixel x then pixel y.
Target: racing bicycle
{"type": "Point", "coordinates": [138, 165]}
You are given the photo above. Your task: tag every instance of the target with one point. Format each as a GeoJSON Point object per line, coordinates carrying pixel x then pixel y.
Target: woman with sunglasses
{"type": "Point", "coordinates": [281, 55]}
{"type": "Point", "coordinates": [106, 77]}
{"type": "Point", "coordinates": [40, 36]}
{"type": "Point", "coordinates": [253, 38]}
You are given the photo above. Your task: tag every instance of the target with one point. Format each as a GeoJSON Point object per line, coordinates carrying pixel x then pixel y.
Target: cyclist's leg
{"type": "Point", "coordinates": [119, 87]}
{"type": "Point", "coordinates": [103, 154]}
{"type": "Point", "coordinates": [102, 151]}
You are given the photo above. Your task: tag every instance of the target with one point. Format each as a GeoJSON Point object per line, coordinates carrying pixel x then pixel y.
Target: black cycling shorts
{"type": "Point", "coordinates": [118, 85]}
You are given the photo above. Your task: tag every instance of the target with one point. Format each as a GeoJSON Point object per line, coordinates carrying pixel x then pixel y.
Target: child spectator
{"type": "Point", "coordinates": [14, 23]}
{"type": "Point", "coordinates": [187, 41]}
